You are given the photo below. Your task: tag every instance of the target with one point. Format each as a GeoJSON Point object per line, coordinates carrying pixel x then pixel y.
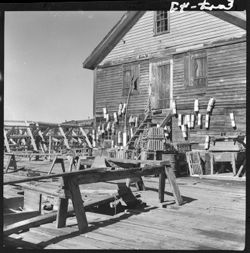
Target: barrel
{"type": "Point", "coordinates": [172, 160]}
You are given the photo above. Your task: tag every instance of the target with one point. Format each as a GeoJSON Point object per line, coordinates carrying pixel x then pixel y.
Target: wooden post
{"type": "Point", "coordinates": [241, 168]}
{"type": "Point", "coordinates": [86, 137]}
{"type": "Point", "coordinates": [64, 137]}
{"type": "Point", "coordinates": [62, 212]}
{"type": "Point", "coordinates": [11, 163]}
{"type": "Point", "coordinates": [57, 160]}
{"type": "Point", "coordinates": [233, 163]}
{"type": "Point", "coordinates": [162, 181]}
{"type": "Point", "coordinates": [49, 147]}
{"type": "Point", "coordinates": [172, 181]}
{"type": "Point", "coordinates": [31, 136]}
{"type": "Point", "coordinates": [212, 163]}
{"type": "Point", "coordinates": [6, 143]}
{"type": "Point", "coordinates": [72, 185]}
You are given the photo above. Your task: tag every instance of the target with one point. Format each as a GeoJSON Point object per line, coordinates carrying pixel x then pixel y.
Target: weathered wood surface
{"type": "Point", "coordinates": [212, 217]}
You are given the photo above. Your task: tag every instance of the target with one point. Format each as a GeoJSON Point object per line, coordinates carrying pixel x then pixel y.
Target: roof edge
{"type": "Point", "coordinates": [112, 38]}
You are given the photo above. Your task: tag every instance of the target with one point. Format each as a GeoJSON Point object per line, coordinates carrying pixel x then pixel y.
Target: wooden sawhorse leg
{"type": "Point", "coordinates": [11, 163]}
{"type": "Point", "coordinates": [169, 173]}
{"type": "Point", "coordinates": [71, 188]}
{"type": "Point", "coordinates": [57, 160]}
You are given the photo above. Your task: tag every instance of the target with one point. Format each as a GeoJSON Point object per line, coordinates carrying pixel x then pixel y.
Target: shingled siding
{"type": "Point", "coordinates": [226, 83]}
{"type": "Point", "coordinates": [109, 84]}
{"type": "Point", "coordinates": [186, 29]}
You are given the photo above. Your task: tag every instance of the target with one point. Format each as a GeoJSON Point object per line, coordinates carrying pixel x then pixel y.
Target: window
{"type": "Point", "coordinates": [195, 69]}
{"type": "Point", "coordinates": [131, 74]}
{"type": "Point", "coordinates": [161, 22]}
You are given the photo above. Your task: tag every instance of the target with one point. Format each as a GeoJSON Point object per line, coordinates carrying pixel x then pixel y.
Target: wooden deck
{"type": "Point", "coordinates": [212, 217]}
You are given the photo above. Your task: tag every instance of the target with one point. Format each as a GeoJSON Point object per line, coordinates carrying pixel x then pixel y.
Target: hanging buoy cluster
{"type": "Point", "coordinates": [188, 121]}
{"type": "Point", "coordinates": [109, 126]}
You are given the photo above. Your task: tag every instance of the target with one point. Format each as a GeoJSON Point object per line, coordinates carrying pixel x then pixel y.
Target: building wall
{"type": "Point", "coordinates": [186, 29]}
{"type": "Point", "coordinates": [226, 71]}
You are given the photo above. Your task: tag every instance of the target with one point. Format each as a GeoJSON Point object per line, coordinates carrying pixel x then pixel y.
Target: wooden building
{"type": "Point", "coordinates": [177, 57]}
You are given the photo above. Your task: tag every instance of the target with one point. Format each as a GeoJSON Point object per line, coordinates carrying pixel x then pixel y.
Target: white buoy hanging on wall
{"type": "Point", "coordinates": [207, 141]}
{"type": "Point", "coordinates": [196, 105]}
{"type": "Point", "coordinates": [107, 117]}
{"type": "Point", "coordinates": [184, 131]}
{"type": "Point", "coordinates": [188, 121]}
{"type": "Point", "coordinates": [192, 121]}
{"type": "Point", "coordinates": [179, 120]}
{"type": "Point", "coordinates": [124, 138]}
{"type": "Point", "coordinates": [199, 119]}
{"type": "Point", "coordinates": [124, 108]}
{"type": "Point", "coordinates": [119, 138]}
{"type": "Point", "coordinates": [207, 121]}
{"type": "Point", "coordinates": [136, 121]}
{"type": "Point", "coordinates": [174, 107]}
{"type": "Point", "coordinates": [210, 104]}
{"type": "Point", "coordinates": [232, 120]}
{"type": "Point", "coordinates": [120, 109]}
{"type": "Point", "coordinates": [113, 128]}
{"type": "Point", "coordinates": [131, 132]}
{"type": "Point", "coordinates": [93, 138]}
{"type": "Point", "coordinates": [104, 112]}
{"type": "Point", "coordinates": [115, 117]}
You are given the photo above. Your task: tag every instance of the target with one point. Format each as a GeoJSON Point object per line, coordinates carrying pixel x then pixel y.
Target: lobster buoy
{"type": "Point", "coordinates": [108, 126]}
{"type": "Point", "coordinates": [107, 117]}
{"type": "Point", "coordinates": [113, 128]}
{"type": "Point", "coordinates": [207, 121]}
{"type": "Point", "coordinates": [115, 117]}
{"type": "Point", "coordinates": [104, 112]}
{"type": "Point", "coordinates": [179, 120]}
{"type": "Point", "coordinates": [196, 105]}
{"type": "Point", "coordinates": [131, 132]}
{"type": "Point", "coordinates": [124, 138]}
{"type": "Point", "coordinates": [192, 121]}
{"type": "Point", "coordinates": [174, 107]}
{"type": "Point", "coordinates": [210, 104]}
{"type": "Point", "coordinates": [232, 119]}
{"type": "Point", "coordinates": [119, 136]}
{"type": "Point", "coordinates": [184, 131]}
{"type": "Point", "coordinates": [120, 109]}
{"type": "Point", "coordinates": [124, 108]}
{"type": "Point", "coordinates": [136, 121]}
{"type": "Point", "coordinates": [188, 121]}
{"type": "Point", "coordinates": [207, 141]}
{"type": "Point", "coordinates": [199, 119]}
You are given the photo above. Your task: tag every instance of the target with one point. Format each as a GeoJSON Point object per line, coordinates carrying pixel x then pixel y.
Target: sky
{"type": "Point", "coordinates": [43, 75]}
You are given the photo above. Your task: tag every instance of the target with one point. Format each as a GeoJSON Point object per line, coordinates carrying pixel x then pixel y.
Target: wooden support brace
{"type": "Point", "coordinates": [57, 160]}
{"type": "Point", "coordinates": [162, 181]}
{"type": "Point", "coordinates": [72, 185]}
{"type": "Point", "coordinates": [241, 168]}
{"type": "Point", "coordinates": [233, 164]}
{"type": "Point", "coordinates": [11, 163]}
{"type": "Point", "coordinates": [62, 212]}
{"type": "Point", "coordinates": [172, 181]}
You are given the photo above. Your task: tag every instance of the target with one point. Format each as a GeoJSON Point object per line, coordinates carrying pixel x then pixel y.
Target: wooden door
{"type": "Point", "coordinates": [160, 85]}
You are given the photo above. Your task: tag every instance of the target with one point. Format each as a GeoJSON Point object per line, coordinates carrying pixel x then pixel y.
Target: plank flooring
{"type": "Point", "coordinates": [212, 218]}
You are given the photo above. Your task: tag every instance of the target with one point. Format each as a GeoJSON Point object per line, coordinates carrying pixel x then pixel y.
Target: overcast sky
{"type": "Point", "coordinates": [44, 51]}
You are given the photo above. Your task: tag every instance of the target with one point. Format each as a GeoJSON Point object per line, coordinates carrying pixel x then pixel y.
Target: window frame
{"type": "Point", "coordinates": [191, 56]}
{"type": "Point", "coordinates": [155, 24]}
{"type": "Point", "coordinates": [130, 67]}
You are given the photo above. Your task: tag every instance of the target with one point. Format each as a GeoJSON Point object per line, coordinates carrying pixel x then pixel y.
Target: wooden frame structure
{"type": "Point", "coordinates": [72, 180]}
{"type": "Point", "coordinates": [42, 137]}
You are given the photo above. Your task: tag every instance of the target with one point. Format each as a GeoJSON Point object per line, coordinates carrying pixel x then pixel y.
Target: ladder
{"type": "Point", "coordinates": [194, 163]}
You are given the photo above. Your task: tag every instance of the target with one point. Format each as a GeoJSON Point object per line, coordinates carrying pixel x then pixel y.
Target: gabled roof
{"type": "Point", "coordinates": [237, 18]}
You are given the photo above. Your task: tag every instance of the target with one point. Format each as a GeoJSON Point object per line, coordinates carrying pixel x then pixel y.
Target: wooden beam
{"type": "Point", "coordinates": [97, 173]}
{"type": "Point", "coordinates": [6, 143]}
{"type": "Point", "coordinates": [86, 137]}
{"type": "Point", "coordinates": [49, 217]}
{"type": "Point", "coordinates": [226, 16]}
